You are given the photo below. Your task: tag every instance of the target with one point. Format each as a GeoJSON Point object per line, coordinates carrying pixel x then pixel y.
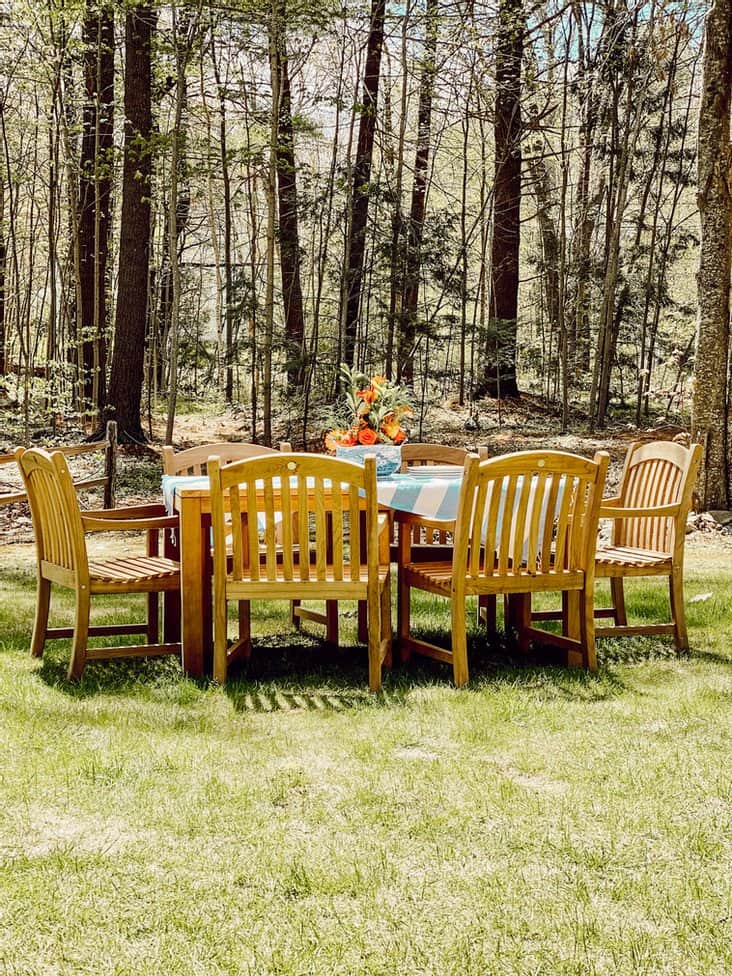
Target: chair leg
{"type": "Point", "coordinates": [171, 598]}
{"type": "Point", "coordinates": [510, 620]}
{"type": "Point", "coordinates": [220, 638]}
{"type": "Point", "coordinates": [678, 614]}
{"type": "Point", "coordinates": [152, 618]}
{"type": "Point", "coordinates": [374, 645]}
{"type": "Point", "coordinates": [403, 598]}
{"type": "Point", "coordinates": [362, 618]}
{"type": "Point", "coordinates": [587, 627]}
{"type": "Point", "coordinates": [171, 616]}
{"type": "Point", "coordinates": [245, 628]}
{"type": "Point", "coordinates": [618, 597]}
{"type": "Point", "coordinates": [459, 638]}
{"type": "Point", "coordinates": [43, 603]}
{"type": "Point", "coordinates": [522, 618]}
{"type": "Point", "coordinates": [331, 622]}
{"type": "Point", "coordinates": [294, 618]}
{"type": "Point", "coordinates": [386, 624]}
{"type": "Point", "coordinates": [564, 613]}
{"type": "Point", "coordinates": [81, 635]}
{"type": "Point", "coordinates": [487, 611]}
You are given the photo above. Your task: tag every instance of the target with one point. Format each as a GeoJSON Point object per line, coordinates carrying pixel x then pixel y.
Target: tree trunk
{"type": "Point", "coordinates": [95, 182]}
{"type": "Point", "coordinates": [288, 219]}
{"type": "Point", "coordinates": [126, 376]}
{"type": "Point", "coordinates": [415, 229]}
{"type": "Point", "coordinates": [499, 373]}
{"type": "Point", "coordinates": [544, 188]}
{"type": "Point", "coordinates": [578, 318]}
{"type": "Point", "coordinates": [361, 181]}
{"type": "Point", "coordinates": [711, 388]}
{"type": "Point", "coordinates": [397, 217]}
{"type": "Point", "coordinates": [179, 203]}
{"type": "Point", "coordinates": [268, 337]}
{"type": "Point", "coordinates": [3, 270]}
{"type": "Point", "coordinates": [625, 141]}
{"type": "Point", "coordinates": [228, 274]}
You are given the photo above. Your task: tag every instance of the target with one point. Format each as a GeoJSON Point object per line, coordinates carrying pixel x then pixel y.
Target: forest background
{"type": "Point", "coordinates": [225, 201]}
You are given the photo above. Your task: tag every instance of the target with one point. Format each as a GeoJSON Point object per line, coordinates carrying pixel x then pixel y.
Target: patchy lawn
{"type": "Point", "coordinates": [542, 821]}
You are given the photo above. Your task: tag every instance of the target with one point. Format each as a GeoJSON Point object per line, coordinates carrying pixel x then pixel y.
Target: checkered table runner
{"type": "Point", "coordinates": [430, 497]}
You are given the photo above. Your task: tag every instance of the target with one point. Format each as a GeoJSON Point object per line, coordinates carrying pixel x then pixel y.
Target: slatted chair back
{"type": "Point", "coordinates": [193, 461]}
{"type": "Point", "coordinates": [656, 474]}
{"type": "Point", "coordinates": [55, 512]}
{"type": "Point", "coordinates": [528, 519]}
{"type": "Point", "coordinates": [417, 455]}
{"type": "Point", "coordinates": [311, 535]}
{"type": "Point", "coordinates": [429, 455]}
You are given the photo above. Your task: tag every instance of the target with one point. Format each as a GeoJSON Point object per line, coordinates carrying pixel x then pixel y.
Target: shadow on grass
{"type": "Point", "coordinates": [125, 677]}
{"type": "Point", "coordinates": [316, 676]}
{"type": "Point", "coordinates": [297, 671]}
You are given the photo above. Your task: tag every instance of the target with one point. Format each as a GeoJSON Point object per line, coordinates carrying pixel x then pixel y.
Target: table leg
{"type": "Point", "coordinates": [195, 559]}
{"type": "Point", "coordinates": [171, 599]}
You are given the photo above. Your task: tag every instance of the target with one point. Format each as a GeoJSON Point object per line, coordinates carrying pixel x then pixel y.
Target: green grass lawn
{"type": "Point", "coordinates": [541, 821]}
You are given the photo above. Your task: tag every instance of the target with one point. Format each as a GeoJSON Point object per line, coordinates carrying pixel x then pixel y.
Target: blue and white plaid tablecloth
{"type": "Point", "coordinates": [172, 482]}
{"type": "Point", "coordinates": [435, 498]}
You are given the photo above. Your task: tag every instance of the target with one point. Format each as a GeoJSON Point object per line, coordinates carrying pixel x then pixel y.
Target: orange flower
{"type": "Point", "coordinates": [376, 407]}
{"type": "Point", "coordinates": [391, 427]}
{"type": "Point", "coordinates": [367, 436]}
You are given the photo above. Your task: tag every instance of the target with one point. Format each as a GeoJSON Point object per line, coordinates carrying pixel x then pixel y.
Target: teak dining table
{"type": "Point", "coordinates": [434, 497]}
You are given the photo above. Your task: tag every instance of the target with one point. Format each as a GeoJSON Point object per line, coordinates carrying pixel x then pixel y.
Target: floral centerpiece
{"type": "Point", "coordinates": [371, 420]}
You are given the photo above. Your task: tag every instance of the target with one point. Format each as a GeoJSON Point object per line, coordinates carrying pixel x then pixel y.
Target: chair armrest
{"type": "Point", "coordinates": [130, 511]}
{"type": "Point", "coordinates": [657, 511]}
{"type": "Point", "coordinates": [611, 502]}
{"type": "Point", "coordinates": [92, 524]}
{"type": "Point", "coordinates": [444, 525]}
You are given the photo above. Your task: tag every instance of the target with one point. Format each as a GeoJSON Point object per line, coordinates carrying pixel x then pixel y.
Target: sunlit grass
{"type": "Point", "coordinates": [542, 821]}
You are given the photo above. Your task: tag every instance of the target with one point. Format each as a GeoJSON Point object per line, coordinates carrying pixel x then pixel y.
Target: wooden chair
{"type": "Point", "coordinates": [526, 522]}
{"type": "Point", "coordinates": [649, 529]}
{"type": "Point", "coordinates": [319, 556]}
{"type": "Point", "coordinates": [430, 541]}
{"type": "Point", "coordinates": [420, 454]}
{"type": "Point", "coordinates": [193, 460]}
{"type": "Point", "coordinates": [60, 530]}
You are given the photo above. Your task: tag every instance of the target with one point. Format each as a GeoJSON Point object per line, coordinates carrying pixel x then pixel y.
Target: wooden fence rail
{"type": "Point", "coordinates": [107, 480]}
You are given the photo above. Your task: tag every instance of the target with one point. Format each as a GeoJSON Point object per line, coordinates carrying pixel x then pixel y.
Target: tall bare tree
{"type": "Point", "coordinates": [361, 191]}
{"type": "Point", "coordinates": [499, 373]}
{"type": "Point", "coordinates": [711, 389]}
{"type": "Point", "coordinates": [289, 234]}
{"type": "Point", "coordinates": [95, 186]}
{"type": "Point", "coordinates": [415, 228]}
{"type": "Point", "coordinates": [128, 359]}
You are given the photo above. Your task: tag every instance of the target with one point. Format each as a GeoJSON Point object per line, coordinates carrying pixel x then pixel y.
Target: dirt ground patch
{"type": "Point", "coordinates": [517, 425]}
